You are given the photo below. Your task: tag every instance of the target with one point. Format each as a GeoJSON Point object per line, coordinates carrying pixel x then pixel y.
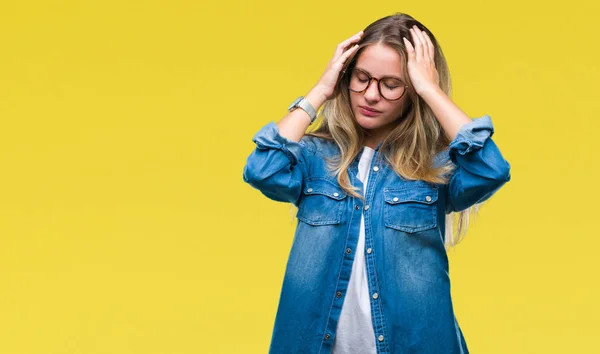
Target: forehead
{"type": "Point", "coordinates": [380, 60]}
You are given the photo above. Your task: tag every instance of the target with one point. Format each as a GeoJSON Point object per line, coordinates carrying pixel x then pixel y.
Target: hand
{"type": "Point", "coordinates": [328, 80]}
{"type": "Point", "coordinates": [421, 65]}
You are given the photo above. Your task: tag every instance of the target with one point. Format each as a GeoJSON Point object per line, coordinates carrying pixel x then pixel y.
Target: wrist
{"type": "Point", "coordinates": [316, 97]}
{"type": "Point", "coordinates": [430, 92]}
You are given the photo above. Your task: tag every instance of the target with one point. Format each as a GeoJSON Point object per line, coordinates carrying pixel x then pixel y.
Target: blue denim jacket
{"type": "Point", "coordinates": [407, 264]}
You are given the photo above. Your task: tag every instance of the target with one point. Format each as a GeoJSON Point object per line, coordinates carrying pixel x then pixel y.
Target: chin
{"type": "Point", "coordinates": [368, 122]}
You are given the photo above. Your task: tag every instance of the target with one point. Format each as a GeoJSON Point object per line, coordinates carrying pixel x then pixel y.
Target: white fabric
{"type": "Point", "coordinates": [355, 329]}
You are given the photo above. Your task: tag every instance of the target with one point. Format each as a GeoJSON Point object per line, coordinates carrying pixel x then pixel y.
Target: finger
{"type": "Point", "coordinates": [418, 45]}
{"type": "Point", "coordinates": [342, 46]}
{"type": "Point", "coordinates": [430, 46]}
{"type": "Point", "coordinates": [427, 52]}
{"type": "Point", "coordinates": [342, 59]}
{"type": "Point", "coordinates": [347, 42]}
{"type": "Point", "coordinates": [425, 45]}
{"type": "Point", "coordinates": [423, 41]}
{"type": "Point", "coordinates": [409, 48]}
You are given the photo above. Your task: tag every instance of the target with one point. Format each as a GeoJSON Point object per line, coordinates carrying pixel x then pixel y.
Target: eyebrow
{"type": "Point", "coordinates": [392, 76]}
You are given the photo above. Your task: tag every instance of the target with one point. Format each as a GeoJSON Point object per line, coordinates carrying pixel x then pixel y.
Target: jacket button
{"type": "Point", "coordinates": [395, 199]}
{"type": "Point", "coordinates": [309, 190]}
{"type": "Point", "coordinates": [357, 207]}
{"type": "Point", "coordinates": [380, 338]}
{"type": "Point", "coordinates": [338, 294]}
{"type": "Point", "coordinates": [336, 194]}
{"type": "Point", "coordinates": [375, 296]}
{"type": "Point", "coordinates": [348, 250]}
{"type": "Point", "coordinates": [369, 250]}
{"type": "Point", "coordinates": [366, 207]}
{"type": "Point", "coordinates": [375, 168]}
{"type": "Point", "coordinates": [428, 198]}
{"type": "Point", "coordinates": [327, 336]}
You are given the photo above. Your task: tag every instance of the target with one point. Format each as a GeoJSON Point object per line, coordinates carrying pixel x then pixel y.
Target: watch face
{"type": "Point", "coordinates": [296, 101]}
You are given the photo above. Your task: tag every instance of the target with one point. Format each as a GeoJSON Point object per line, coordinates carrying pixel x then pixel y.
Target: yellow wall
{"type": "Point", "coordinates": [126, 227]}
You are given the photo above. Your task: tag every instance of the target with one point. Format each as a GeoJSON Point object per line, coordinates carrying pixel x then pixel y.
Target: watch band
{"type": "Point", "coordinates": [308, 108]}
{"type": "Point", "coordinates": [303, 103]}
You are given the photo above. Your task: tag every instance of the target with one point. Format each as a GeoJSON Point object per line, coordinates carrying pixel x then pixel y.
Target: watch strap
{"type": "Point", "coordinates": [303, 103]}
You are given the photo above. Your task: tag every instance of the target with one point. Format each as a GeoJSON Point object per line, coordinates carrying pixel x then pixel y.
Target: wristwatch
{"type": "Point", "coordinates": [303, 103]}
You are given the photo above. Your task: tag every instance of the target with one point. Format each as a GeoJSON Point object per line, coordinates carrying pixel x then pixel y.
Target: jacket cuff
{"type": "Point", "coordinates": [471, 136]}
{"type": "Point", "coordinates": [268, 137]}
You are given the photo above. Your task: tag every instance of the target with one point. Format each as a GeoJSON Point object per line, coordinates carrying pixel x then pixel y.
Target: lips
{"type": "Point", "coordinates": [368, 112]}
{"type": "Point", "coordinates": [370, 109]}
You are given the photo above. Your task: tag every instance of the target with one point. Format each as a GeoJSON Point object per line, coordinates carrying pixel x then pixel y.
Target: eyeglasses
{"type": "Point", "coordinates": [390, 88]}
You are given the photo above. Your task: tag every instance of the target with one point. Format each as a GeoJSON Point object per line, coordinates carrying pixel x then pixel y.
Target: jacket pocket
{"type": "Point", "coordinates": [322, 202]}
{"type": "Point", "coordinates": [411, 209]}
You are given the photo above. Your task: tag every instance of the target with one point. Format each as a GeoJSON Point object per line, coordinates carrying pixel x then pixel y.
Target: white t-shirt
{"type": "Point", "coordinates": [355, 329]}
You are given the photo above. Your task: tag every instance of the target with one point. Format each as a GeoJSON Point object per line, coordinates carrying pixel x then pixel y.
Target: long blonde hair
{"type": "Point", "coordinates": [411, 146]}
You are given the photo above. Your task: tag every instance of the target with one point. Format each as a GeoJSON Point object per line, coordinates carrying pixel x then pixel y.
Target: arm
{"type": "Point", "coordinates": [294, 124]}
{"type": "Point", "coordinates": [425, 79]}
{"type": "Point", "coordinates": [279, 164]}
{"type": "Point", "coordinates": [480, 167]}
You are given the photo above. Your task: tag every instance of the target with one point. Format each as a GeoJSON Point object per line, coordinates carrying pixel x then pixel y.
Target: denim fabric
{"type": "Point", "coordinates": [407, 265]}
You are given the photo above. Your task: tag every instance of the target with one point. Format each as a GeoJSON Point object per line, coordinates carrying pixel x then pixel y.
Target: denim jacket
{"type": "Point", "coordinates": [406, 262]}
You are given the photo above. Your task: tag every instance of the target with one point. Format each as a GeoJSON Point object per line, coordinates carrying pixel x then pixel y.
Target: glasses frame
{"type": "Point", "coordinates": [371, 78]}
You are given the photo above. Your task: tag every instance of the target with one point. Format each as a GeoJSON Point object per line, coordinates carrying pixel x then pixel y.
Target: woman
{"type": "Point", "coordinates": [392, 160]}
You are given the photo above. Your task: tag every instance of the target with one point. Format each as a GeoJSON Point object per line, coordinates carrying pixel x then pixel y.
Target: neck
{"type": "Point", "coordinates": [371, 145]}
{"type": "Point", "coordinates": [373, 137]}
{"type": "Point", "coordinates": [372, 140]}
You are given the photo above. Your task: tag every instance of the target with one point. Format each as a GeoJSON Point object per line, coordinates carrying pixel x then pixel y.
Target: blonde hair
{"type": "Point", "coordinates": [411, 146]}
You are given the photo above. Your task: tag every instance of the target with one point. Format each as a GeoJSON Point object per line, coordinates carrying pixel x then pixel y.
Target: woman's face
{"type": "Point", "coordinates": [378, 61]}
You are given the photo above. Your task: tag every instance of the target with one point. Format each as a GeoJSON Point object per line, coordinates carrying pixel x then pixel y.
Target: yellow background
{"type": "Point", "coordinates": [126, 227]}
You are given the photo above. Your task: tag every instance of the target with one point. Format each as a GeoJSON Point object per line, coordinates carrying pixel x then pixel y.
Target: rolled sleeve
{"type": "Point", "coordinates": [471, 136]}
{"type": "Point", "coordinates": [269, 138]}
{"type": "Point", "coordinates": [480, 167]}
{"type": "Point", "coordinates": [277, 166]}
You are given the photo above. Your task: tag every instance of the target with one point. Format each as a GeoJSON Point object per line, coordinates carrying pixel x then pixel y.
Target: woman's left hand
{"type": "Point", "coordinates": [421, 66]}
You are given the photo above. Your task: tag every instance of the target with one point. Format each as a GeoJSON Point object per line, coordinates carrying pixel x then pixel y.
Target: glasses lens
{"type": "Point", "coordinates": [358, 80]}
{"type": "Point", "coordinates": [391, 89]}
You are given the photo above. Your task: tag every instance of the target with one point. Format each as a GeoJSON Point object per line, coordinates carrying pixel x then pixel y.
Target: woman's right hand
{"type": "Point", "coordinates": [344, 50]}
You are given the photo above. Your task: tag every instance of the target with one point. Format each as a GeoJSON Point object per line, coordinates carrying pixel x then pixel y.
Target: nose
{"type": "Point", "coordinates": [372, 93]}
